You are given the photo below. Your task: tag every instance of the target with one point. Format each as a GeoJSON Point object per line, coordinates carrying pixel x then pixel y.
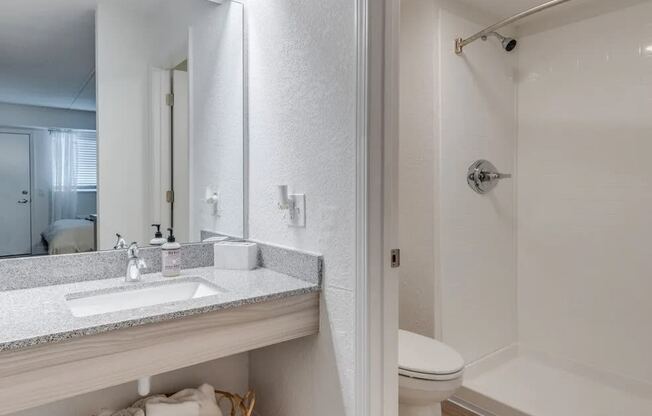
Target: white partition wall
{"type": "Point", "coordinates": [302, 91]}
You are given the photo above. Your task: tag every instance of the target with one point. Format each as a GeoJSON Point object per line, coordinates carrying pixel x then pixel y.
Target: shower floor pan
{"type": "Point", "coordinates": [517, 383]}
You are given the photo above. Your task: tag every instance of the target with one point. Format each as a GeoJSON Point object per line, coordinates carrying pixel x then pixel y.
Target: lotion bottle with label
{"type": "Point", "coordinates": [171, 257]}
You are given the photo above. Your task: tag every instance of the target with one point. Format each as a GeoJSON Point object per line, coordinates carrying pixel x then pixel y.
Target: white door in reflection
{"type": "Point", "coordinates": [15, 199]}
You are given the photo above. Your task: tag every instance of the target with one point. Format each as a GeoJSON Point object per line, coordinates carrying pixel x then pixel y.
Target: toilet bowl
{"type": "Point", "coordinates": [429, 373]}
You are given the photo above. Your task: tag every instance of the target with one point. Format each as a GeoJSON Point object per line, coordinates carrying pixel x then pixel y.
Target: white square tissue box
{"type": "Point", "coordinates": [235, 255]}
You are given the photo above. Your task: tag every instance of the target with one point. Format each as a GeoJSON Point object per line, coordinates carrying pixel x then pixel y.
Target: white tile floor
{"type": "Point", "coordinates": [535, 386]}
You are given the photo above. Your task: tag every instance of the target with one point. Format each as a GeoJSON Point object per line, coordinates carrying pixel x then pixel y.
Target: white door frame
{"type": "Point", "coordinates": [181, 154]}
{"type": "Point", "coordinates": [376, 208]}
{"type": "Point", "coordinates": [159, 149]}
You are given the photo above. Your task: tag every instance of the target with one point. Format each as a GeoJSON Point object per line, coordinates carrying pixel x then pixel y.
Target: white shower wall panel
{"type": "Point", "coordinates": [476, 273]}
{"type": "Point", "coordinates": [584, 191]}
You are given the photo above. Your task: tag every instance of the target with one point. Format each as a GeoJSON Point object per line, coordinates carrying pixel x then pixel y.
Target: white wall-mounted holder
{"type": "Point", "coordinates": [213, 198]}
{"type": "Point", "coordinates": [144, 386]}
{"type": "Point", "coordinates": [294, 204]}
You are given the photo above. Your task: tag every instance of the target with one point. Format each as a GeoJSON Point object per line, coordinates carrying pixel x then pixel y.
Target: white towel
{"type": "Point", "coordinates": [130, 411]}
{"type": "Point", "coordinates": [203, 396]}
{"type": "Point", "coordinates": [189, 402]}
{"type": "Point", "coordinates": [172, 409]}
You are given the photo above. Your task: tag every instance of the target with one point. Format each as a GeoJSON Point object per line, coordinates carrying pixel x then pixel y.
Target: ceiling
{"type": "Point", "coordinates": [47, 47]}
{"type": "Point", "coordinates": [503, 8]}
{"type": "Point", "coordinates": [48, 53]}
{"type": "Point", "coordinates": [560, 14]}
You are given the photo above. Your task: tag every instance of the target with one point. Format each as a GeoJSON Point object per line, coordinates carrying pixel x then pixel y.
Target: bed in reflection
{"type": "Point", "coordinates": [70, 236]}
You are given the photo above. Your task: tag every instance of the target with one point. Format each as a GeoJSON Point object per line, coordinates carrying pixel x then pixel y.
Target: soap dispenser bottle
{"type": "Point", "coordinates": [171, 257]}
{"type": "Point", "coordinates": [158, 236]}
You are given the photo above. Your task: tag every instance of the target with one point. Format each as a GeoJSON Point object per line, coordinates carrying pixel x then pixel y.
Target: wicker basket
{"type": "Point", "coordinates": [240, 406]}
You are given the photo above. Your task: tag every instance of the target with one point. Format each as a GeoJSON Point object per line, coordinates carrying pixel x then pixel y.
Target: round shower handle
{"type": "Point", "coordinates": [491, 176]}
{"type": "Point", "coordinates": [483, 176]}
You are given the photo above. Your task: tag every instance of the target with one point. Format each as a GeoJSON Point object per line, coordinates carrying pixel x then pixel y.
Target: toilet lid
{"type": "Point", "coordinates": [423, 356]}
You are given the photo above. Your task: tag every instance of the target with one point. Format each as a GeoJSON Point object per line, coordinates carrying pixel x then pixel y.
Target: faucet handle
{"type": "Point", "coordinates": [132, 251]}
{"type": "Point", "coordinates": [120, 243]}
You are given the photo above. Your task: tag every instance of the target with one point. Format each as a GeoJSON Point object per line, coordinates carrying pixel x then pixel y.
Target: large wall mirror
{"type": "Point", "coordinates": [116, 115]}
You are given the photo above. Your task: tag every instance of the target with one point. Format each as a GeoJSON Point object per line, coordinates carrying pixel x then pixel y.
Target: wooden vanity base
{"type": "Point", "coordinates": [47, 373]}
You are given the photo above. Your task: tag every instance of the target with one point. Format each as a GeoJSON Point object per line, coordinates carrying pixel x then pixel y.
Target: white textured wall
{"type": "Point", "coordinates": [584, 191]}
{"type": "Point", "coordinates": [302, 133]}
{"type": "Point", "coordinates": [229, 374]}
{"type": "Point", "coordinates": [418, 159]}
{"type": "Point", "coordinates": [216, 155]}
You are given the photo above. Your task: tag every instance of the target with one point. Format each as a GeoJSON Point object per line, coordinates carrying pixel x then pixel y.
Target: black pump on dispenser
{"type": "Point", "coordinates": [171, 256]}
{"type": "Point", "coordinates": [158, 236]}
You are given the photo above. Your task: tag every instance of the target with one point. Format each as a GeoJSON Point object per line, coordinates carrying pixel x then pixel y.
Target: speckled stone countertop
{"type": "Point", "coordinates": [40, 315]}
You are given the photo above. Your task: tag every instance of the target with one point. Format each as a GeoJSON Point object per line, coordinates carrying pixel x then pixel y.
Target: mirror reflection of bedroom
{"type": "Point", "coordinates": [97, 145]}
{"type": "Point", "coordinates": [48, 156]}
{"type": "Point", "coordinates": [48, 191]}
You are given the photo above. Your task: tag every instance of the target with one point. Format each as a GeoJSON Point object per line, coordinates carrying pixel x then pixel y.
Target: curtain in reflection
{"type": "Point", "coordinates": [63, 202]}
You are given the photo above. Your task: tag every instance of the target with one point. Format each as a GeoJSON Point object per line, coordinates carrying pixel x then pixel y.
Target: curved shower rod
{"type": "Point", "coordinates": [460, 43]}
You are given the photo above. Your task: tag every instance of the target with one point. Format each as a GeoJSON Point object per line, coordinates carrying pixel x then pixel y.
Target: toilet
{"type": "Point", "coordinates": [429, 373]}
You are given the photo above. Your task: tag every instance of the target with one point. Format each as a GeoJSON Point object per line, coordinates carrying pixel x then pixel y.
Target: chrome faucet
{"type": "Point", "coordinates": [134, 264]}
{"type": "Point", "coordinates": [120, 244]}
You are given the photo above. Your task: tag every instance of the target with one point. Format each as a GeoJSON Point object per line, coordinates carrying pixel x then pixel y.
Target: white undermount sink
{"type": "Point", "coordinates": [139, 296]}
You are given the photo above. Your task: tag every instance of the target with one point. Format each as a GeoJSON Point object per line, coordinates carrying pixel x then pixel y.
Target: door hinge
{"type": "Point", "coordinates": [169, 196]}
{"type": "Point", "coordinates": [169, 99]}
{"type": "Point", "coordinates": [396, 257]}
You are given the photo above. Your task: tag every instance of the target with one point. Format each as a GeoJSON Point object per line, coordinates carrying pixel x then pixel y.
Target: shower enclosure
{"type": "Point", "coordinates": [543, 283]}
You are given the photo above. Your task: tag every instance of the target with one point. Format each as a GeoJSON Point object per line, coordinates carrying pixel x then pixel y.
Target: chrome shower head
{"type": "Point", "coordinates": [508, 44]}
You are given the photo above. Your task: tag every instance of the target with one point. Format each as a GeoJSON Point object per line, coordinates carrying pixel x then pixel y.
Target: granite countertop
{"type": "Point", "coordinates": [40, 315]}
